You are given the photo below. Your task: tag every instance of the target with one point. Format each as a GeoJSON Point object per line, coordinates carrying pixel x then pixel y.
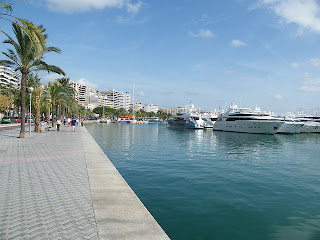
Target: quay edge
{"type": "Point", "coordinates": [119, 213]}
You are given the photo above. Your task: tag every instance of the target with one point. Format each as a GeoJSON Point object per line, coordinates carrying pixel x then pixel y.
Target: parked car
{"type": "Point", "coordinates": [17, 120]}
{"type": "Point", "coordinates": [6, 120]}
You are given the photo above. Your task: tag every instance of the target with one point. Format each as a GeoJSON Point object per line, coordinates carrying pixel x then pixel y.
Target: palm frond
{"type": "Point", "coordinates": [35, 34]}
{"type": "Point", "coordinates": [8, 63]}
{"type": "Point", "coordinates": [40, 65]}
{"type": "Point", "coordinates": [53, 49]}
{"type": "Point", "coordinates": [7, 6]}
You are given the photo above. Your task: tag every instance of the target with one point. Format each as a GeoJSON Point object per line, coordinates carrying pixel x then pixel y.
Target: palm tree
{"type": "Point", "coordinates": [55, 95]}
{"type": "Point", "coordinates": [34, 81]}
{"type": "Point", "coordinates": [34, 32]}
{"type": "Point", "coordinates": [69, 94]}
{"type": "Point", "coordinates": [24, 58]}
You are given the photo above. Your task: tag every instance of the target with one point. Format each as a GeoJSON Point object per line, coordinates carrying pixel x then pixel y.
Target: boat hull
{"type": "Point", "coordinates": [184, 124]}
{"type": "Point", "coordinates": [309, 127]}
{"type": "Point", "coordinates": [290, 128]}
{"type": "Point", "coordinates": [248, 126]}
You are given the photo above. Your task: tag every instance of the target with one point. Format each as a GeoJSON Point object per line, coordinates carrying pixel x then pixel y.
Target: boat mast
{"type": "Point", "coordinates": [133, 101]}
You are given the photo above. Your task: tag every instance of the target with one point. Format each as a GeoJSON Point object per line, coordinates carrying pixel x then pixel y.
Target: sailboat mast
{"type": "Point", "coordinates": [133, 100]}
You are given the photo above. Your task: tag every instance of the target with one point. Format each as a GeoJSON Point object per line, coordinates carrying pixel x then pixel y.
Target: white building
{"type": "Point", "coordinates": [85, 96]}
{"type": "Point", "coordinates": [9, 77]}
{"type": "Point", "coordinates": [137, 106]}
{"type": "Point", "coordinates": [176, 110]}
{"type": "Point", "coordinates": [116, 100]}
{"type": "Point", "coordinates": [151, 108]}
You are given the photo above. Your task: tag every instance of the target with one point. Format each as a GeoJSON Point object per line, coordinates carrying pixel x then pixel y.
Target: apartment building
{"type": "Point", "coordinates": [151, 108]}
{"type": "Point", "coordinates": [9, 77]}
{"type": "Point", "coordinates": [115, 99]}
{"type": "Point", "coordinates": [176, 110]}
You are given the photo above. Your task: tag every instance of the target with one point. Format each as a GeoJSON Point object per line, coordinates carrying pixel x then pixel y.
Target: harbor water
{"type": "Point", "coordinates": [202, 184]}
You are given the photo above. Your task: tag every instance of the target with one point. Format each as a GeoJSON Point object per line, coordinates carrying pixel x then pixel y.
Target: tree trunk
{"type": "Point", "coordinates": [53, 108]}
{"type": "Point", "coordinates": [23, 103]}
{"type": "Point", "coordinates": [37, 96]}
{"type": "Point", "coordinates": [48, 115]}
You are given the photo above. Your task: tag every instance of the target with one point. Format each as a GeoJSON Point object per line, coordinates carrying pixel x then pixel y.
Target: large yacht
{"type": "Point", "coordinates": [311, 123]}
{"type": "Point", "coordinates": [190, 119]}
{"type": "Point", "coordinates": [290, 126]}
{"type": "Point", "coordinates": [247, 121]}
{"type": "Point", "coordinates": [209, 119]}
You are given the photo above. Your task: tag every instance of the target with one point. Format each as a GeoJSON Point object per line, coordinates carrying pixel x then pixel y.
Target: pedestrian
{"type": "Point", "coordinates": [58, 124]}
{"type": "Point", "coordinates": [81, 122]}
{"type": "Point", "coordinates": [64, 121]}
{"type": "Point", "coordinates": [73, 123]}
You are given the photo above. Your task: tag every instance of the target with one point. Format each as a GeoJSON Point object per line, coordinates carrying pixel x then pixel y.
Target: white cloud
{"type": "Point", "coordinates": [87, 83]}
{"type": "Point", "coordinates": [278, 97]}
{"type": "Point", "coordinates": [295, 65]}
{"type": "Point", "coordinates": [304, 13]}
{"type": "Point", "coordinates": [140, 94]}
{"type": "Point", "coordinates": [238, 43]}
{"type": "Point", "coordinates": [134, 7]}
{"type": "Point", "coordinates": [45, 78]}
{"type": "Point", "coordinates": [71, 6]}
{"type": "Point", "coordinates": [202, 33]}
{"type": "Point", "coordinates": [315, 62]}
{"type": "Point", "coordinates": [310, 84]}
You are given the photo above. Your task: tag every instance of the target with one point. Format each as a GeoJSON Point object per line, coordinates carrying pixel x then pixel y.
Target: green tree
{"type": "Point", "coordinates": [25, 58]}
{"type": "Point", "coordinates": [120, 112]}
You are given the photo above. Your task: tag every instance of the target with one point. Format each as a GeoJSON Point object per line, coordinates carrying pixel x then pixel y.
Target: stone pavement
{"type": "Point", "coordinates": [53, 186]}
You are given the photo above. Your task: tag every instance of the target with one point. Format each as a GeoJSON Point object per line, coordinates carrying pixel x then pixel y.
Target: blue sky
{"type": "Point", "coordinates": [263, 52]}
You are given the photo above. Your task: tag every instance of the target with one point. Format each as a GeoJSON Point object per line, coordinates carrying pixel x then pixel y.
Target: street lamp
{"type": "Point", "coordinates": [30, 90]}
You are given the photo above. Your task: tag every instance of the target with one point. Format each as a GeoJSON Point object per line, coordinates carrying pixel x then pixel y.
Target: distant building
{"type": "Point", "coordinates": [9, 77]}
{"type": "Point", "coordinates": [151, 108]}
{"type": "Point", "coordinates": [85, 96]}
{"type": "Point", "coordinates": [176, 110]}
{"type": "Point", "coordinates": [137, 106]}
{"type": "Point", "coordinates": [91, 98]}
{"type": "Point", "coordinates": [116, 100]}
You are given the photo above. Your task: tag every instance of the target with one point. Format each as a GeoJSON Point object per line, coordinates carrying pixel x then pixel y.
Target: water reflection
{"type": "Point", "coordinates": [303, 227]}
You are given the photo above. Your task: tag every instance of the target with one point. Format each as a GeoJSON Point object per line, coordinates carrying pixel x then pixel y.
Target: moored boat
{"type": "Point", "coordinates": [191, 120]}
{"type": "Point", "coordinates": [244, 120]}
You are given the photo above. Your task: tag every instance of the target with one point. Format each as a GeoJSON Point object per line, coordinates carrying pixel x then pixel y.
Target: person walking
{"type": "Point", "coordinates": [58, 124]}
{"type": "Point", "coordinates": [73, 123]}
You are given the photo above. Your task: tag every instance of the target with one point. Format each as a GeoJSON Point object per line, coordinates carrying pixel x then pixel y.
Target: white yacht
{"type": "Point", "coordinates": [311, 124]}
{"type": "Point", "coordinates": [191, 119]}
{"type": "Point", "coordinates": [290, 126]}
{"type": "Point", "coordinates": [246, 121]}
{"type": "Point", "coordinates": [209, 119]}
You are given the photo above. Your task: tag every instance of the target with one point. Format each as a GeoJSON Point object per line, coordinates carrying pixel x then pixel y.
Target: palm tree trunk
{"type": "Point", "coordinates": [52, 123]}
{"type": "Point", "coordinates": [37, 95]}
{"type": "Point", "coordinates": [23, 104]}
{"type": "Point", "coordinates": [48, 115]}
{"type": "Point", "coordinates": [37, 120]}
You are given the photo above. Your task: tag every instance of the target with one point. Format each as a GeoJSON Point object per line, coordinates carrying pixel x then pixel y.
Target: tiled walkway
{"type": "Point", "coordinates": [44, 189]}
{"type": "Point", "coordinates": [60, 185]}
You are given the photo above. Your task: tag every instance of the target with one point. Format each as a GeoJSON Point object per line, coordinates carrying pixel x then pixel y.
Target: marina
{"type": "Point", "coordinates": [222, 185]}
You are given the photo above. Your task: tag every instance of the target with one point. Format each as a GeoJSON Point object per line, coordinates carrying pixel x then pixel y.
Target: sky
{"type": "Point", "coordinates": [256, 53]}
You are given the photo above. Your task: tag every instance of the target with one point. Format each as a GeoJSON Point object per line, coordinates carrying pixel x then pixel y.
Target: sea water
{"type": "Point", "coordinates": [201, 184]}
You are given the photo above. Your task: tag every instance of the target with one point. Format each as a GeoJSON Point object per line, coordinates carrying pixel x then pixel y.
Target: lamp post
{"type": "Point", "coordinates": [30, 90]}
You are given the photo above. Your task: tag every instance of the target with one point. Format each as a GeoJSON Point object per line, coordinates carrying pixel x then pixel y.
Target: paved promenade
{"type": "Point", "coordinates": [60, 185]}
